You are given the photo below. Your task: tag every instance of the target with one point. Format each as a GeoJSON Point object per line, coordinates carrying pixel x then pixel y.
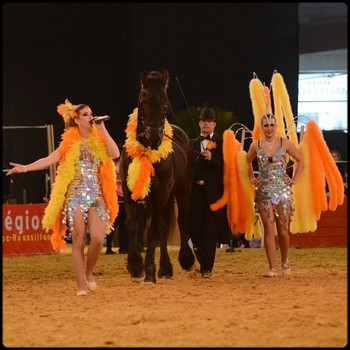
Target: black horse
{"type": "Point", "coordinates": [170, 179]}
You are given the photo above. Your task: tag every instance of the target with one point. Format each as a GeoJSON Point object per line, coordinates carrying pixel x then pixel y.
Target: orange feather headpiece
{"type": "Point", "coordinates": [67, 111]}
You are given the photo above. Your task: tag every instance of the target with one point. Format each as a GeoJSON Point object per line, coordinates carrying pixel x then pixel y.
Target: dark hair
{"type": "Point", "coordinates": [336, 152]}
{"type": "Point", "coordinates": [80, 107]}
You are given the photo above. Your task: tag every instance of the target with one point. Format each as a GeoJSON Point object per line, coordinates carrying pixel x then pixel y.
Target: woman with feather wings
{"type": "Point", "coordinates": [313, 166]}
{"type": "Point", "coordinates": [273, 189]}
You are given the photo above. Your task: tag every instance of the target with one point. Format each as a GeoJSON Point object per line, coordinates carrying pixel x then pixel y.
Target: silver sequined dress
{"type": "Point", "coordinates": [272, 187]}
{"type": "Point", "coordinates": [85, 191]}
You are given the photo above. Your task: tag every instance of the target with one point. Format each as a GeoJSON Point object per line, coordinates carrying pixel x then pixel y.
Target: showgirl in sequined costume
{"type": "Point", "coordinates": [286, 202]}
{"type": "Point", "coordinates": [273, 194]}
{"type": "Point", "coordinates": [272, 186]}
{"type": "Point", "coordinates": [84, 192]}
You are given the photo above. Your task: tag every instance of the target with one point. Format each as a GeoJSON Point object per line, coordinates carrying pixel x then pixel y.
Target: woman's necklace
{"type": "Point", "coordinates": [269, 145]}
{"type": "Point", "coordinates": [86, 152]}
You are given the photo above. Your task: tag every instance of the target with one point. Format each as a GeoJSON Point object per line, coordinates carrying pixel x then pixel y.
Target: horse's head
{"type": "Point", "coordinates": [153, 108]}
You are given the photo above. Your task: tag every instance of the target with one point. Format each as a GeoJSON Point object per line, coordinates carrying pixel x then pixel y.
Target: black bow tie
{"type": "Point", "coordinates": [205, 137]}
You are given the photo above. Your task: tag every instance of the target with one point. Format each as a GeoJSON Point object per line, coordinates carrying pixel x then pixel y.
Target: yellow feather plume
{"type": "Point", "coordinates": [333, 176]}
{"type": "Point", "coordinates": [283, 109]}
{"type": "Point", "coordinates": [261, 103]}
{"type": "Point", "coordinates": [305, 217]}
{"type": "Point", "coordinates": [309, 193]}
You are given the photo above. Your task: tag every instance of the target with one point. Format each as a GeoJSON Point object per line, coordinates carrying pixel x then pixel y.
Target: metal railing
{"type": "Point", "coordinates": [50, 148]}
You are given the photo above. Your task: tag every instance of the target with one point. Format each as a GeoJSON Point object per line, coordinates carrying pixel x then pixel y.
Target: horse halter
{"type": "Point", "coordinates": [153, 108]}
{"type": "Point", "coordinates": [148, 129]}
{"type": "Point", "coordinates": [145, 130]}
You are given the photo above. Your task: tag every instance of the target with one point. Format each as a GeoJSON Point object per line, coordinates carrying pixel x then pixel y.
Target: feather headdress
{"type": "Point", "coordinates": [67, 111]}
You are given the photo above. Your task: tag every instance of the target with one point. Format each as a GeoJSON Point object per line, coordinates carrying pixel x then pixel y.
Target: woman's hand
{"type": "Point", "coordinates": [100, 126]}
{"type": "Point", "coordinates": [289, 181]}
{"type": "Point", "coordinates": [17, 169]}
{"type": "Point", "coordinates": [255, 181]}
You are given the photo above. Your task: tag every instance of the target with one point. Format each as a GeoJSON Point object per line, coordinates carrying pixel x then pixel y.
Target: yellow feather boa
{"type": "Point", "coordinates": [141, 169]}
{"type": "Point", "coordinates": [69, 150]}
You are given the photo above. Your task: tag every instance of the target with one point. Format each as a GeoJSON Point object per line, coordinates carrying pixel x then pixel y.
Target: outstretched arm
{"type": "Point", "coordinates": [39, 164]}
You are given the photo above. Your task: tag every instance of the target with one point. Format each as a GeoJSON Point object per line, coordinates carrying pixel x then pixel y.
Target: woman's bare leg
{"type": "Point", "coordinates": [78, 244]}
{"type": "Point", "coordinates": [283, 235]}
{"type": "Point", "coordinates": [269, 234]}
{"type": "Point", "coordinates": [97, 234]}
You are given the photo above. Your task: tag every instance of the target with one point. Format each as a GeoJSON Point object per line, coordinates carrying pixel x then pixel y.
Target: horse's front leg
{"type": "Point", "coordinates": [186, 257]}
{"type": "Point", "coordinates": [165, 266]}
{"type": "Point", "coordinates": [152, 240]}
{"type": "Point", "coordinates": [135, 263]}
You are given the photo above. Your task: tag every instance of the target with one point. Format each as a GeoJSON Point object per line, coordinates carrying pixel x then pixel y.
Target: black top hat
{"type": "Point", "coordinates": [207, 114]}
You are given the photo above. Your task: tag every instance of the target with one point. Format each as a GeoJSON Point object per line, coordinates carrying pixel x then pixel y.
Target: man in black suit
{"type": "Point", "coordinates": [207, 227]}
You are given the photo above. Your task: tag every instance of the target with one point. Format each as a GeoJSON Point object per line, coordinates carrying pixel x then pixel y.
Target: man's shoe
{"type": "Point", "coordinates": [230, 250]}
{"type": "Point", "coordinates": [206, 274]}
{"type": "Point", "coordinates": [123, 251]}
{"type": "Point", "coordinates": [108, 252]}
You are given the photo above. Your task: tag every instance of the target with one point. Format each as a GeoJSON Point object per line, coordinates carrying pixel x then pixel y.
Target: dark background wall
{"type": "Point", "coordinates": [94, 52]}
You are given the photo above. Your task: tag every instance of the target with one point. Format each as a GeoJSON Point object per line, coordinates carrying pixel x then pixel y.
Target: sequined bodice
{"type": "Point", "coordinates": [86, 183]}
{"type": "Point", "coordinates": [272, 185]}
{"type": "Point", "coordinates": [85, 190]}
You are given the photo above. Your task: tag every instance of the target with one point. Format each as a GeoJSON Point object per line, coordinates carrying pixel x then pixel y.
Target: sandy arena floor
{"type": "Point", "coordinates": [236, 308]}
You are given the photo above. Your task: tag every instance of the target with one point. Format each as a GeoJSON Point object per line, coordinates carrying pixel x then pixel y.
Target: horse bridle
{"type": "Point", "coordinates": [145, 131]}
{"type": "Point", "coordinates": [148, 129]}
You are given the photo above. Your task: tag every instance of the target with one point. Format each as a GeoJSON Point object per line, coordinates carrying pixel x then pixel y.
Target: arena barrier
{"type": "Point", "coordinates": [22, 232]}
{"type": "Point", "coordinates": [332, 230]}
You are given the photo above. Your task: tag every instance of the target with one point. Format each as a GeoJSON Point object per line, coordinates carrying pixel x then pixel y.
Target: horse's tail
{"type": "Point", "coordinates": [169, 216]}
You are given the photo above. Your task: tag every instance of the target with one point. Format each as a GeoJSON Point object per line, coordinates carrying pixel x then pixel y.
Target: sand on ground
{"type": "Point", "coordinates": [237, 307]}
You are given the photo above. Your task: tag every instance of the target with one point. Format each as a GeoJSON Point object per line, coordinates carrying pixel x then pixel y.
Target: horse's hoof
{"type": "Point", "coordinates": [166, 277]}
{"type": "Point", "coordinates": [191, 268]}
{"type": "Point", "coordinates": [148, 282]}
{"type": "Point", "coordinates": [140, 278]}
